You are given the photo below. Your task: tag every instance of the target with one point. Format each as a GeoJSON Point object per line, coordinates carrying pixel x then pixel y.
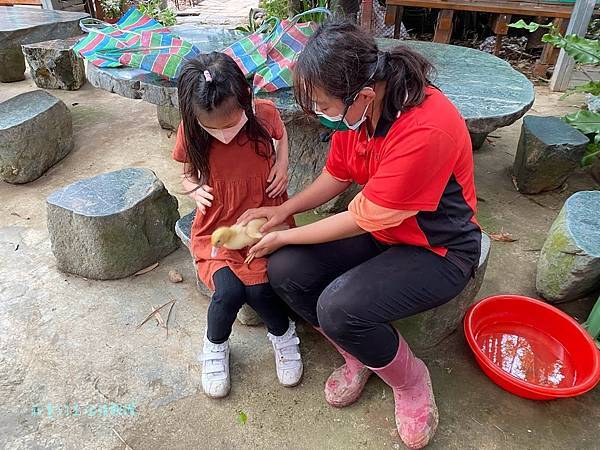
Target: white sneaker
{"type": "Point", "coordinates": [215, 369]}
{"type": "Point", "coordinates": [287, 356]}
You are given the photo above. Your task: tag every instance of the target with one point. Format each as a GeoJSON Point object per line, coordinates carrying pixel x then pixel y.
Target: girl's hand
{"type": "Point", "coordinates": [267, 245]}
{"type": "Point", "coordinates": [203, 197]}
{"type": "Point", "coordinates": [275, 215]}
{"type": "Point", "coordinates": [278, 178]}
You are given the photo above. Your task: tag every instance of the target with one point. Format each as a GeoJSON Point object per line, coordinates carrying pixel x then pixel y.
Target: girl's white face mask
{"type": "Point", "coordinates": [226, 135]}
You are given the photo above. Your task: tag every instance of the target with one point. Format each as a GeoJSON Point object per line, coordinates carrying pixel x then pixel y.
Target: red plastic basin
{"type": "Point", "coordinates": [531, 349]}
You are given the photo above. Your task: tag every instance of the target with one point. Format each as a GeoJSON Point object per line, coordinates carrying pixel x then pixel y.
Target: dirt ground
{"type": "Point", "coordinates": [67, 340]}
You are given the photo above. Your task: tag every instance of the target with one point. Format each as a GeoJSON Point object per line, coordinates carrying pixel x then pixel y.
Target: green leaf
{"type": "Point", "coordinates": [582, 50]}
{"type": "Point", "coordinates": [591, 87]}
{"type": "Point", "coordinates": [585, 121]}
{"type": "Point", "coordinates": [242, 418]}
{"type": "Point", "coordinates": [592, 153]}
{"type": "Point", "coordinates": [531, 27]}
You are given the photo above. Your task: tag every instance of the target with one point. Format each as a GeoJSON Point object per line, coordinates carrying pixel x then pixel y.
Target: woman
{"type": "Point", "coordinates": [407, 243]}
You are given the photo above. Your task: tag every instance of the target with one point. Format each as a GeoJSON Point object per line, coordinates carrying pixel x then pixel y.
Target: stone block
{"type": "Point", "coordinates": [36, 132]}
{"type": "Point", "coordinates": [427, 329]}
{"type": "Point", "coordinates": [12, 65]}
{"type": "Point", "coordinates": [112, 225]}
{"type": "Point", "coordinates": [569, 263]}
{"type": "Point", "coordinates": [548, 152]}
{"type": "Point", "coordinates": [169, 117]}
{"type": "Point", "coordinates": [53, 65]}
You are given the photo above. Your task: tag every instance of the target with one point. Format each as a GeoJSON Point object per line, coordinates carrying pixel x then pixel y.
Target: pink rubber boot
{"type": "Point", "coordinates": [346, 383]}
{"type": "Point", "coordinates": [416, 412]}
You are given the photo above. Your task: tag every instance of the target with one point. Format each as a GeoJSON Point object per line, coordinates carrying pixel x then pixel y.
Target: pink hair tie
{"type": "Point", "coordinates": [207, 76]}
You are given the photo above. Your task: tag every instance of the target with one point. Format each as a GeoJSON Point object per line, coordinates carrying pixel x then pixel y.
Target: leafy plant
{"type": "Point", "coordinates": [154, 9]}
{"type": "Point", "coordinates": [583, 51]}
{"type": "Point", "coordinates": [112, 9]}
{"type": "Point", "coordinates": [275, 8]}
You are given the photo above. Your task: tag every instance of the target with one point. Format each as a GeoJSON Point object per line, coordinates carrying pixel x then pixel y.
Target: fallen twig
{"type": "Point", "coordinates": [168, 316]}
{"type": "Point", "coordinates": [503, 432]}
{"type": "Point", "coordinates": [158, 317]}
{"type": "Point", "coordinates": [127, 447]}
{"type": "Point", "coordinates": [153, 313]}
{"type": "Point", "coordinates": [146, 270]}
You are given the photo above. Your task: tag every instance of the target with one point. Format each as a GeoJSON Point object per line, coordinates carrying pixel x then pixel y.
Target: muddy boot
{"type": "Point", "coordinates": [416, 412]}
{"type": "Point", "coordinates": [346, 383]}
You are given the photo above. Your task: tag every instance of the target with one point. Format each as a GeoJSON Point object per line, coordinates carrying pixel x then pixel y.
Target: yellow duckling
{"type": "Point", "coordinates": [237, 237]}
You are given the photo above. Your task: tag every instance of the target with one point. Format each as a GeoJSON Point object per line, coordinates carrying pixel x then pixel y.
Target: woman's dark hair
{"type": "Point", "coordinates": [227, 88]}
{"type": "Point", "coordinates": [341, 59]}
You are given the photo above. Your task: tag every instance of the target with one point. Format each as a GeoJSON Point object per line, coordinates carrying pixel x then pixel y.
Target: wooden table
{"type": "Point", "coordinates": [20, 26]}
{"type": "Point", "coordinates": [503, 11]}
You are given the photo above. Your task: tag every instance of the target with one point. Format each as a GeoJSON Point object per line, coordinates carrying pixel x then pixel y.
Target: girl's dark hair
{"type": "Point", "coordinates": [341, 59]}
{"type": "Point", "coordinates": [228, 88]}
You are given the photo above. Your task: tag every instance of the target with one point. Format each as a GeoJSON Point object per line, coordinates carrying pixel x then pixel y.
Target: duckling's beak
{"type": "Point", "coordinates": [214, 252]}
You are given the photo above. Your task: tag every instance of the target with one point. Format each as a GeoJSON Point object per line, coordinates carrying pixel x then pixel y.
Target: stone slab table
{"type": "Point", "coordinates": [489, 93]}
{"type": "Point", "coordinates": [19, 26]}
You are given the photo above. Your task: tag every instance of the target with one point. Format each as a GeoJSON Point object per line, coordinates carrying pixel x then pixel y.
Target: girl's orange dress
{"type": "Point", "coordinates": [238, 177]}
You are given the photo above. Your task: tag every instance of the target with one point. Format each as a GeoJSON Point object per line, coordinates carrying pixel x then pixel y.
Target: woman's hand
{"type": "Point", "coordinates": [203, 197]}
{"type": "Point", "coordinates": [270, 243]}
{"type": "Point", "coordinates": [275, 215]}
{"type": "Point", "coordinates": [278, 178]}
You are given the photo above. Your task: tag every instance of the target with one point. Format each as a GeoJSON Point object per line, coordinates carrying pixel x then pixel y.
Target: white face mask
{"type": "Point", "coordinates": [226, 135]}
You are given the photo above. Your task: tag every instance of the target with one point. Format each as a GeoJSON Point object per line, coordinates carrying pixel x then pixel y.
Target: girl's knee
{"type": "Point", "coordinates": [229, 294]}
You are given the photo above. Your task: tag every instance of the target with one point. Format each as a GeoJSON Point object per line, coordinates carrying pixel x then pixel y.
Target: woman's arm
{"type": "Point", "coordinates": [336, 227]}
{"type": "Point", "coordinates": [320, 191]}
{"type": "Point", "coordinates": [323, 189]}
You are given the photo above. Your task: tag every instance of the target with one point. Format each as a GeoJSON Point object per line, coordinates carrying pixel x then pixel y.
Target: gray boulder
{"type": "Point", "coordinates": [427, 329]}
{"type": "Point", "coordinates": [36, 132]}
{"type": "Point", "coordinates": [569, 263]}
{"type": "Point", "coordinates": [53, 65]}
{"type": "Point", "coordinates": [112, 225]}
{"type": "Point", "coordinates": [12, 65]}
{"type": "Point", "coordinates": [169, 117]}
{"type": "Point", "coordinates": [548, 152]}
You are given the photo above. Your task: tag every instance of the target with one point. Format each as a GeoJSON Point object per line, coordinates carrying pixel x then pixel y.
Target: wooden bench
{"type": "Point", "coordinates": [503, 10]}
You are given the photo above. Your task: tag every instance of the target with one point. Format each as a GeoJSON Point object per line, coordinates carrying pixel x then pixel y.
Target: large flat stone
{"type": "Point", "coordinates": [183, 228]}
{"type": "Point", "coordinates": [35, 133]}
{"type": "Point", "coordinates": [569, 263]}
{"type": "Point", "coordinates": [427, 329]}
{"type": "Point", "coordinates": [548, 152]}
{"type": "Point", "coordinates": [53, 65]}
{"type": "Point", "coordinates": [19, 26]}
{"type": "Point", "coordinates": [112, 225]}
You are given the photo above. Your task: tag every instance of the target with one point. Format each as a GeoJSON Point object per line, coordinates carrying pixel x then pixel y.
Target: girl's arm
{"type": "Point", "coordinates": [278, 177]}
{"type": "Point", "coordinates": [191, 186]}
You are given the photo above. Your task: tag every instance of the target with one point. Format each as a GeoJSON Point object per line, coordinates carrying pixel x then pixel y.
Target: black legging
{"type": "Point", "coordinates": [231, 294]}
{"type": "Point", "coordinates": [353, 288]}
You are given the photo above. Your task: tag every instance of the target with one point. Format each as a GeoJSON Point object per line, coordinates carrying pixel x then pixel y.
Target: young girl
{"type": "Point", "coordinates": [234, 154]}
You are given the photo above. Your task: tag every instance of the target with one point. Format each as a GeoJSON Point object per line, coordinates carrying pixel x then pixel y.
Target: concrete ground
{"type": "Point", "coordinates": [68, 340]}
